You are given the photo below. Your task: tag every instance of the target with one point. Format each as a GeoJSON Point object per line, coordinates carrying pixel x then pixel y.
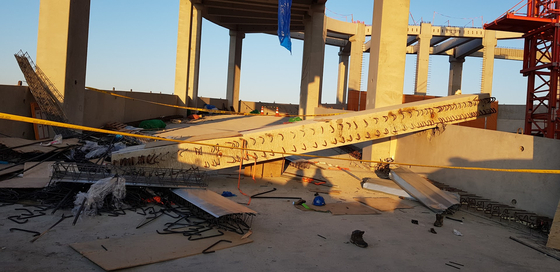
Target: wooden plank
{"type": "Point", "coordinates": [266, 169]}
{"type": "Point", "coordinates": [12, 142]}
{"type": "Point", "coordinates": [136, 250]}
{"type": "Point", "coordinates": [37, 177]}
{"type": "Point", "coordinates": [43, 170]}
{"type": "Point", "coordinates": [383, 203]}
{"type": "Point", "coordinates": [325, 191]}
{"type": "Point", "coordinates": [258, 170]}
{"type": "Point", "coordinates": [346, 208]}
{"type": "Point", "coordinates": [11, 169]}
{"type": "Point", "coordinates": [25, 183]}
{"type": "Point", "coordinates": [41, 131]}
{"type": "Point", "coordinates": [273, 168]}
{"type": "Point", "coordinates": [35, 145]}
{"type": "Point", "coordinates": [554, 235]}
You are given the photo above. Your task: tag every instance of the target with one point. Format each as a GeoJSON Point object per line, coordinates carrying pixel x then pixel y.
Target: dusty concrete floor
{"type": "Point", "coordinates": [287, 239]}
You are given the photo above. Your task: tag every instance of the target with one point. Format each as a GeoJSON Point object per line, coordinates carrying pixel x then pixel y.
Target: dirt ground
{"type": "Point", "coordinates": [288, 239]}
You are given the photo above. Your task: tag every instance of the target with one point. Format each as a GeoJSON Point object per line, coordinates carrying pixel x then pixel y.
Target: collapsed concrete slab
{"type": "Point", "coordinates": [310, 135]}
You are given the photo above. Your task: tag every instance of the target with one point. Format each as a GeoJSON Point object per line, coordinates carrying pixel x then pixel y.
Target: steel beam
{"type": "Point", "coordinates": [436, 40]}
{"type": "Point", "coordinates": [468, 48]}
{"type": "Point", "coordinates": [310, 135]}
{"type": "Point", "coordinates": [409, 41]}
{"type": "Point", "coordinates": [449, 45]}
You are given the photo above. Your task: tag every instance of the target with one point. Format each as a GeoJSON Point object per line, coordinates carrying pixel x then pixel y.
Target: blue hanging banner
{"type": "Point", "coordinates": [284, 15]}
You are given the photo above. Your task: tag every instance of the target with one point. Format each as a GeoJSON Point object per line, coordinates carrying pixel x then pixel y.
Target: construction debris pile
{"type": "Point", "coordinates": [74, 178]}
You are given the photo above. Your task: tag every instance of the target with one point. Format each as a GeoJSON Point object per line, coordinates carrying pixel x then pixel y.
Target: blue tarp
{"type": "Point", "coordinates": [284, 14]}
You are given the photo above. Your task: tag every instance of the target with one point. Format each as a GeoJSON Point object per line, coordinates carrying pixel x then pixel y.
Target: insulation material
{"type": "Point", "coordinates": [95, 196]}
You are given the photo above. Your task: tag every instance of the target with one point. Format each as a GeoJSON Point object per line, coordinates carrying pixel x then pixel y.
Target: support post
{"type": "Point", "coordinates": [489, 42]}
{"type": "Point", "coordinates": [423, 59]}
{"type": "Point", "coordinates": [341, 89]}
{"type": "Point", "coordinates": [356, 55]}
{"type": "Point", "coordinates": [62, 51]}
{"type": "Point", "coordinates": [188, 54]}
{"type": "Point", "coordinates": [455, 74]}
{"type": "Point", "coordinates": [313, 59]}
{"type": "Point", "coordinates": [234, 68]}
{"type": "Point", "coordinates": [386, 64]}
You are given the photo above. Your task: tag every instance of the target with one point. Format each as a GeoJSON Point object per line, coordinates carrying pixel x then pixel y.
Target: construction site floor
{"type": "Point", "coordinates": [288, 239]}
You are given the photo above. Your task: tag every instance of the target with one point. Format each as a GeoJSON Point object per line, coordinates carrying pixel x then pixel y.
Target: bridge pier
{"type": "Point", "coordinates": [455, 74]}
{"type": "Point", "coordinates": [341, 89]}
{"type": "Point", "coordinates": [234, 68]}
{"type": "Point", "coordinates": [313, 60]}
{"type": "Point", "coordinates": [188, 53]}
{"type": "Point", "coordinates": [423, 59]}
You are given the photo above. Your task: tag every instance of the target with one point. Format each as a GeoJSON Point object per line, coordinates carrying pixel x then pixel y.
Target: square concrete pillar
{"type": "Point", "coordinates": [387, 53]}
{"type": "Point", "coordinates": [489, 42]}
{"type": "Point", "coordinates": [343, 58]}
{"type": "Point", "coordinates": [423, 59]}
{"type": "Point", "coordinates": [455, 74]}
{"type": "Point", "coordinates": [188, 53]}
{"type": "Point", "coordinates": [234, 68]}
{"type": "Point", "coordinates": [313, 59]}
{"type": "Point", "coordinates": [62, 51]}
{"type": "Point", "coordinates": [356, 55]}
{"type": "Point", "coordinates": [386, 64]}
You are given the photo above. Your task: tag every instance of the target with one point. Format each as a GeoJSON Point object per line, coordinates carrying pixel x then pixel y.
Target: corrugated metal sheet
{"type": "Point", "coordinates": [418, 187]}
{"type": "Point", "coordinates": [211, 202]}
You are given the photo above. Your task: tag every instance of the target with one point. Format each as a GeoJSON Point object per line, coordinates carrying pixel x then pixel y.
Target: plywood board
{"type": "Point", "coordinates": [554, 235]}
{"type": "Point", "coordinates": [35, 145]}
{"type": "Point", "coordinates": [10, 168]}
{"type": "Point", "coordinates": [136, 250]}
{"type": "Point", "coordinates": [42, 170]}
{"type": "Point", "coordinates": [36, 177]}
{"type": "Point", "coordinates": [383, 203]}
{"type": "Point", "coordinates": [346, 208]}
{"type": "Point", "coordinates": [25, 183]}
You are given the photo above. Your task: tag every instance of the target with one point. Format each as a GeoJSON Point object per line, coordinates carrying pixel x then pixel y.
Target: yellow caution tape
{"type": "Point", "coordinates": [18, 118]}
{"type": "Point", "coordinates": [200, 109]}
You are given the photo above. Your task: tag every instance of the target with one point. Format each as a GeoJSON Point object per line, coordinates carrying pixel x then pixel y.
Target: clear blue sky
{"type": "Point", "coordinates": [132, 45]}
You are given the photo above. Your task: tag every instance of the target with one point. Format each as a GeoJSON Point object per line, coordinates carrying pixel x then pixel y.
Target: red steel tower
{"type": "Point", "coordinates": [541, 61]}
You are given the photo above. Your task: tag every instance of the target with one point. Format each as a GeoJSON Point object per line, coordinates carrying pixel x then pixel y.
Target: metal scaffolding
{"type": "Point", "coordinates": [45, 93]}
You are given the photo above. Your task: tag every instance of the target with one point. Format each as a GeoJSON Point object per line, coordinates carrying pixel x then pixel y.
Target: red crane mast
{"type": "Point", "coordinates": [541, 61]}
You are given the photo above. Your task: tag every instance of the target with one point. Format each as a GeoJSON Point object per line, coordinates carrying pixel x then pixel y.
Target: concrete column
{"type": "Point", "coordinates": [62, 51]}
{"type": "Point", "coordinates": [455, 74]}
{"type": "Point", "coordinates": [423, 59]}
{"type": "Point", "coordinates": [356, 56]}
{"type": "Point", "coordinates": [386, 64]}
{"type": "Point", "coordinates": [313, 59]}
{"type": "Point", "coordinates": [489, 42]}
{"type": "Point", "coordinates": [343, 58]}
{"type": "Point", "coordinates": [234, 68]}
{"type": "Point", "coordinates": [188, 53]}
